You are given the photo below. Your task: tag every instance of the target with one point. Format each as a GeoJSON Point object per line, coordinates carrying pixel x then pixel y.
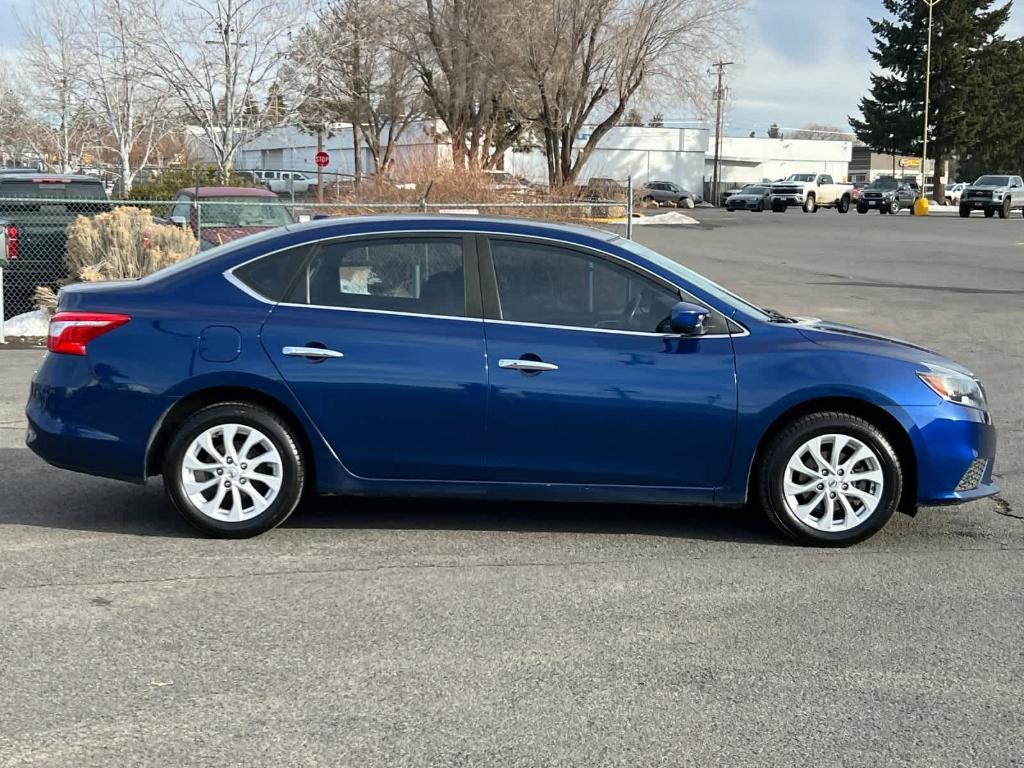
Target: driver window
{"type": "Point", "coordinates": [549, 285]}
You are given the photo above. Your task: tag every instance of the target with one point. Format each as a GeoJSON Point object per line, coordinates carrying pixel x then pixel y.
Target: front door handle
{"type": "Point", "coordinates": [527, 366]}
{"type": "Point", "coordinates": [312, 352]}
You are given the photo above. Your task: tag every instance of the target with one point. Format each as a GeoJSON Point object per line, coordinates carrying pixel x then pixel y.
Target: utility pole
{"type": "Point", "coordinates": [719, 97]}
{"type": "Point", "coordinates": [927, 93]}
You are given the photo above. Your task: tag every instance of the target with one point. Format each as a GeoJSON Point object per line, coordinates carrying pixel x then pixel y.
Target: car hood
{"type": "Point", "coordinates": [829, 333]}
{"type": "Point", "coordinates": [985, 186]}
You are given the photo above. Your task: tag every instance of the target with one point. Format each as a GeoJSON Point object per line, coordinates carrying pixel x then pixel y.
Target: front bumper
{"type": "Point", "coordinates": [873, 202]}
{"type": "Point", "coordinates": [955, 448]}
{"type": "Point", "coordinates": [981, 202]}
{"type": "Point", "coordinates": [787, 200]}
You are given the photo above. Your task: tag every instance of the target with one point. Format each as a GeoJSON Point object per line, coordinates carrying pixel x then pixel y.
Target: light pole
{"type": "Point", "coordinates": [927, 93]}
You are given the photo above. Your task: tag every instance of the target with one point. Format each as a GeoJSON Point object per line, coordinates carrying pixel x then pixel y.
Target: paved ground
{"type": "Point", "coordinates": [471, 634]}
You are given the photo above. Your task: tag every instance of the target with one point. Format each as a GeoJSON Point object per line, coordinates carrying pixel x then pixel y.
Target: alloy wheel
{"type": "Point", "coordinates": [231, 472]}
{"type": "Point", "coordinates": [833, 482]}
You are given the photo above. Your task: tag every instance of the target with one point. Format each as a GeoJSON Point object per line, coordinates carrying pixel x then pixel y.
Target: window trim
{"type": "Point", "coordinates": [492, 302]}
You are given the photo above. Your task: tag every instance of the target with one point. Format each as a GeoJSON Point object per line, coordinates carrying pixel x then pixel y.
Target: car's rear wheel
{"type": "Point", "coordinates": [830, 479]}
{"type": "Point", "coordinates": [234, 470]}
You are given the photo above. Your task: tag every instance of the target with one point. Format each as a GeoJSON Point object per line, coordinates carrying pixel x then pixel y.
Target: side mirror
{"type": "Point", "coordinates": [688, 319]}
{"type": "Point", "coordinates": [179, 221]}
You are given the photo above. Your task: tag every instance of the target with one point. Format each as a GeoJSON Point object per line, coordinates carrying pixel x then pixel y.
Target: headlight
{"type": "Point", "coordinates": [997, 195]}
{"type": "Point", "coordinates": [955, 387]}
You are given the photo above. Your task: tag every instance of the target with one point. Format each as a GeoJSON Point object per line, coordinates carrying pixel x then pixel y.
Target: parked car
{"type": "Point", "coordinates": [954, 192]}
{"type": "Point", "coordinates": [667, 193]}
{"type": "Point", "coordinates": [505, 181]}
{"type": "Point", "coordinates": [888, 195]}
{"type": "Point", "coordinates": [810, 191]}
{"type": "Point", "coordinates": [993, 194]}
{"type": "Point", "coordinates": [753, 197]}
{"type": "Point", "coordinates": [35, 211]}
{"type": "Point", "coordinates": [285, 182]}
{"type": "Point", "coordinates": [497, 358]}
{"type": "Point", "coordinates": [227, 213]}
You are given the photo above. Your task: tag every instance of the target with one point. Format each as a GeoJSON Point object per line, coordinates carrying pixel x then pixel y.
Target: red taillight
{"type": "Point", "coordinates": [12, 242]}
{"type": "Point", "coordinates": [70, 332]}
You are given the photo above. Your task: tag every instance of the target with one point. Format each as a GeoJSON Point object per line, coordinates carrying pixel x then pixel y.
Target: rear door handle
{"type": "Point", "coordinates": [317, 352]}
{"type": "Point", "coordinates": [527, 366]}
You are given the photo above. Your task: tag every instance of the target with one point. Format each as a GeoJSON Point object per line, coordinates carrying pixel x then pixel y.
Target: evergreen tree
{"type": "Point", "coordinates": [657, 121]}
{"type": "Point", "coordinates": [965, 54]}
{"type": "Point", "coordinates": [1000, 148]}
{"type": "Point", "coordinates": [276, 110]}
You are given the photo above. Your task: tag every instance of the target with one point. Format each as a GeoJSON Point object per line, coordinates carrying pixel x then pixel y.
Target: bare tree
{"type": "Point", "coordinates": [119, 88]}
{"type": "Point", "coordinates": [354, 72]}
{"type": "Point", "coordinates": [53, 62]}
{"type": "Point", "coordinates": [587, 59]}
{"type": "Point", "coordinates": [215, 57]}
{"type": "Point", "coordinates": [821, 132]}
{"type": "Point", "coordinates": [470, 66]}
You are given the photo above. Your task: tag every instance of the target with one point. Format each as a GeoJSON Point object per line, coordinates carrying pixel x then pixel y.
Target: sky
{"type": "Point", "coordinates": [799, 61]}
{"type": "Point", "coordinates": [806, 61]}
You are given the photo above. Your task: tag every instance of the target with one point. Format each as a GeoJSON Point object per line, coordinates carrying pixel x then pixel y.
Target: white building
{"type": "Point", "coordinates": [682, 155]}
{"type": "Point", "coordinates": [646, 154]}
{"type": "Point", "coordinates": [744, 161]}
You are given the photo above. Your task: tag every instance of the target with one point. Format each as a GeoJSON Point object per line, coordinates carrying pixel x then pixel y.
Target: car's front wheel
{"type": "Point", "coordinates": [830, 479]}
{"type": "Point", "coordinates": [1004, 209]}
{"type": "Point", "coordinates": [234, 470]}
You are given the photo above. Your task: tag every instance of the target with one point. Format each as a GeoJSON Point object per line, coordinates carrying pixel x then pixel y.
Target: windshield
{"type": "Point", "coordinates": [698, 281]}
{"type": "Point", "coordinates": [800, 177]}
{"type": "Point", "coordinates": [993, 181]}
{"type": "Point", "coordinates": [243, 212]}
{"type": "Point", "coordinates": [884, 184]}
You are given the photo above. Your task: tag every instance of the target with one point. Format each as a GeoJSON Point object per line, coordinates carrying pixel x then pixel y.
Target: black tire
{"type": "Point", "coordinates": [883, 209]}
{"type": "Point", "coordinates": [894, 207]}
{"type": "Point", "coordinates": [844, 204]}
{"type": "Point", "coordinates": [810, 204]}
{"type": "Point", "coordinates": [293, 470]}
{"type": "Point", "coordinates": [964, 211]}
{"type": "Point", "coordinates": [862, 208]}
{"type": "Point", "coordinates": [730, 209]}
{"type": "Point", "coordinates": [771, 472]}
{"type": "Point", "coordinates": [1004, 209]}
{"type": "Point", "coordinates": [778, 206]}
{"type": "Point", "coordinates": [990, 212]}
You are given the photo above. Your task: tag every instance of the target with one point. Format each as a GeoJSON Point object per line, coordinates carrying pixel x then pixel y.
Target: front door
{"type": "Point", "coordinates": [381, 341]}
{"type": "Point", "coordinates": [587, 384]}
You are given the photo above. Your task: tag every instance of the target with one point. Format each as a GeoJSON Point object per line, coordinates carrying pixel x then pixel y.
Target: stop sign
{"type": "Point", "coordinates": [322, 159]}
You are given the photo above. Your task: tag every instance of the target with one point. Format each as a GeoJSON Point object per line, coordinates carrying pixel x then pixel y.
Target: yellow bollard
{"type": "Point", "coordinates": [921, 207]}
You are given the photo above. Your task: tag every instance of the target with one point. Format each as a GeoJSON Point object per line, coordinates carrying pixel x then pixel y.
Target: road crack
{"type": "Point", "coordinates": [1002, 507]}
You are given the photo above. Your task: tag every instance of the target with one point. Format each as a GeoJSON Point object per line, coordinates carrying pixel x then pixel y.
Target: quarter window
{"type": "Point", "coordinates": [417, 275]}
{"type": "Point", "coordinates": [272, 275]}
{"type": "Point", "coordinates": [549, 285]}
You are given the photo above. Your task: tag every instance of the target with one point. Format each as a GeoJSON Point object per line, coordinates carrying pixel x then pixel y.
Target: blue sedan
{"type": "Point", "coordinates": [465, 356]}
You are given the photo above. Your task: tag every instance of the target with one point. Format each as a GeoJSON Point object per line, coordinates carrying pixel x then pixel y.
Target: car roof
{"type": "Point", "coordinates": [52, 177]}
{"type": "Point", "coordinates": [226, 192]}
{"type": "Point", "coordinates": [467, 222]}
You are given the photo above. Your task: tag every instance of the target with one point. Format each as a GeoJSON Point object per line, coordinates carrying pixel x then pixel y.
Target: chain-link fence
{"type": "Point", "coordinates": [52, 240]}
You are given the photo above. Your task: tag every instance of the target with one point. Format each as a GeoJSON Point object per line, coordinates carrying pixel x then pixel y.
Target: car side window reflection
{"type": "Point", "coordinates": [416, 275]}
{"type": "Point", "coordinates": [549, 285]}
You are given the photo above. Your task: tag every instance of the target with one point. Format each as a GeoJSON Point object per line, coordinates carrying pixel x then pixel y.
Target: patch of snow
{"type": "Point", "coordinates": [674, 217]}
{"type": "Point", "coordinates": [36, 323]}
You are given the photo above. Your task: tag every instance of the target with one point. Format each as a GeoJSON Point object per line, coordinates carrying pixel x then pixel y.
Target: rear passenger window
{"type": "Point", "coordinates": [422, 275]}
{"type": "Point", "coordinates": [272, 276]}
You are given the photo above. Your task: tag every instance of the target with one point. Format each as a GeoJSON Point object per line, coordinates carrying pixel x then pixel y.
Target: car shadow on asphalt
{"type": "Point", "coordinates": [35, 494]}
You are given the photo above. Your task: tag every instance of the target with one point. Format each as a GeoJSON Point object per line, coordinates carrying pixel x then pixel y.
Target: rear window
{"type": "Point", "coordinates": [57, 189]}
{"type": "Point", "coordinates": [271, 276]}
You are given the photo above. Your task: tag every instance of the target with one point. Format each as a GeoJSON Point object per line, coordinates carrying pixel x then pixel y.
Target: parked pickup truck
{"type": "Point", "coordinates": [993, 194]}
{"type": "Point", "coordinates": [810, 191]}
{"type": "Point", "coordinates": [35, 211]}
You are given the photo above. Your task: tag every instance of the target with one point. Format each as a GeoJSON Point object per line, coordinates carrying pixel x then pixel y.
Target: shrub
{"type": "Point", "coordinates": [172, 180]}
{"type": "Point", "coordinates": [125, 243]}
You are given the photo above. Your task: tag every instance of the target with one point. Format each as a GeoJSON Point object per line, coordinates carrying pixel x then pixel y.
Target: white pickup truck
{"type": "Point", "coordinates": [810, 191]}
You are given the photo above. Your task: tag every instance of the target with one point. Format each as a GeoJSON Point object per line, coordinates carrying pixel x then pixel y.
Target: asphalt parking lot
{"type": "Point", "coordinates": [367, 633]}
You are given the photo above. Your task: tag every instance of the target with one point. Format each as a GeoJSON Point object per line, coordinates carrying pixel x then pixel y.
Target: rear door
{"type": "Point", "coordinates": [587, 385]}
{"type": "Point", "coordinates": [381, 340]}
